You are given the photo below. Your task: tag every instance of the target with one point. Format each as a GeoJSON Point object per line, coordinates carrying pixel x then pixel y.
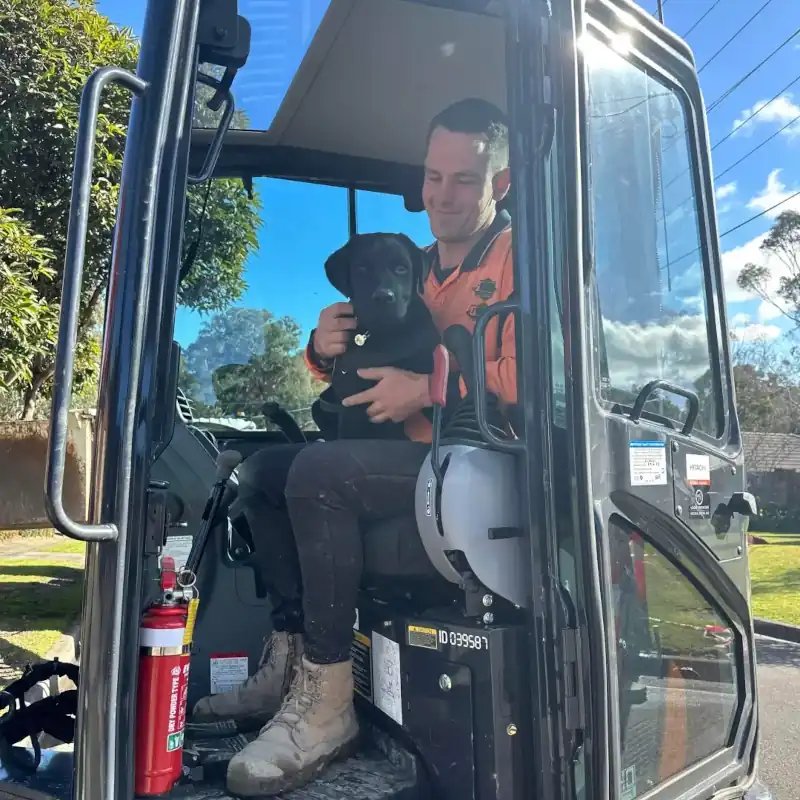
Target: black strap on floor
{"type": "Point", "coordinates": [53, 715]}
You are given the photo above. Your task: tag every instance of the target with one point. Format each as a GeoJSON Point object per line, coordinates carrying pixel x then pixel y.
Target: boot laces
{"type": "Point", "coordinates": [306, 690]}
{"type": "Point", "coordinates": [267, 662]}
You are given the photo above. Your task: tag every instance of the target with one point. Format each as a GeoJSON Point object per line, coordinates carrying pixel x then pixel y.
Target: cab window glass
{"type": "Point", "coordinates": [248, 348]}
{"type": "Point", "coordinates": [646, 241]}
{"type": "Point", "coordinates": [387, 213]}
{"type": "Point", "coordinates": [281, 33]}
{"type": "Point", "coordinates": [677, 666]}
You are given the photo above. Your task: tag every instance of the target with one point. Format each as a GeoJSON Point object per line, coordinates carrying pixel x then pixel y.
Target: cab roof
{"type": "Point", "coordinates": [357, 109]}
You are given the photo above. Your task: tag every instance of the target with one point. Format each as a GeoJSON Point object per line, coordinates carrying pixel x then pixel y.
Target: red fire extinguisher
{"type": "Point", "coordinates": [164, 647]}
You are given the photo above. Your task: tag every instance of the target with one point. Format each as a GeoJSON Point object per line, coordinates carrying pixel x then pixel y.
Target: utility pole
{"type": "Point", "coordinates": [660, 11]}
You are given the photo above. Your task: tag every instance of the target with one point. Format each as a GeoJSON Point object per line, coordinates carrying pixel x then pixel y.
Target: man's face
{"type": "Point", "coordinates": [460, 192]}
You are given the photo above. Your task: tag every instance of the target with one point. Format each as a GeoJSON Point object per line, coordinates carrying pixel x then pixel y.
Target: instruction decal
{"type": "Point", "coordinates": [228, 670]}
{"type": "Point", "coordinates": [648, 463]}
{"type": "Point", "coordinates": [698, 477]}
{"type": "Point", "coordinates": [628, 784]}
{"type": "Point", "coordinates": [179, 548]}
{"type": "Point", "coordinates": [361, 655]}
{"type": "Point", "coordinates": [422, 636]}
{"type": "Point", "coordinates": [386, 677]}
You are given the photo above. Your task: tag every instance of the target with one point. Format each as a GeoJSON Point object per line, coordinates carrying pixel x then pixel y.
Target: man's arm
{"type": "Point", "coordinates": [329, 339]}
{"type": "Point", "coordinates": [320, 368]}
{"type": "Point", "coordinates": [501, 373]}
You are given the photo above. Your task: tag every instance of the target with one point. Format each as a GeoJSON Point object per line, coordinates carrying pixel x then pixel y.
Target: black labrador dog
{"type": "Point", "coordinates": [381, 274]}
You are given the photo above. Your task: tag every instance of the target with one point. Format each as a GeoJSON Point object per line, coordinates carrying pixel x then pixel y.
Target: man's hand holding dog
{"type": "Point", "coordinates": [334, 330]}
{"type": "Point", "coordinates": [397, 395]}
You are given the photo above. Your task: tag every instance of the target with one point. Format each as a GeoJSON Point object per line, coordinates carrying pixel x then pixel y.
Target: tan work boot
{"type": "Point", "coordinates": [316, 724]}
{"type": "Point", "coordinates": [261, 695]}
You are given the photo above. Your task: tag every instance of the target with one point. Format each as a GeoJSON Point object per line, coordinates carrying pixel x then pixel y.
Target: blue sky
{"type": "Point", "coordinates": [303, 224]}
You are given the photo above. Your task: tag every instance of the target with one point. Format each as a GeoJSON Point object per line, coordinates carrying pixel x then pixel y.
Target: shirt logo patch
{"type": "Point", "coordinates": [477, 311]}
{"type": "Point", "coordinates": [485, 289]}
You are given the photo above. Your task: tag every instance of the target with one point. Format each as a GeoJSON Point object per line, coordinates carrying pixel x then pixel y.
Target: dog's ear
{"type": "Point", "coordinates": [337, 268]}
{"type": "Point", "coordinates": [417, 256]}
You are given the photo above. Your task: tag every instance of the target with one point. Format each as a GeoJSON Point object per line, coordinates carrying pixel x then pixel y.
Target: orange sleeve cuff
{"type": "Point", "coordinates": [312, 363]}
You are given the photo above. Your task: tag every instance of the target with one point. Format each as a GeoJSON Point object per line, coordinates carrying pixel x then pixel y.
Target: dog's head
{"type": "Point", "coordinates": [381, 274]}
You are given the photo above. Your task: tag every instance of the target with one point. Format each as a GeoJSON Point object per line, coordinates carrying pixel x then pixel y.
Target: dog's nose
{"type": "Point", "coordinates": [384, 296]}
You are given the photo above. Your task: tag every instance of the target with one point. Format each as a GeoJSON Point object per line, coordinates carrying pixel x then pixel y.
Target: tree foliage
{"type": "Point", "coordinates": [27, 322]}
{"type": "Point", "coordinates": [766, 373]}
{"type": "Point", "coordinates": [243, 358]}
{"type": "Point", "coordinates": [767, 402]}
{"type": "Point", "coordinates": [783, 244]}
{"type": "Point", "coordinates": [48, 50]}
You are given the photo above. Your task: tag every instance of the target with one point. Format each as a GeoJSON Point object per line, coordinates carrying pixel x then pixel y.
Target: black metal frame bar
{"type": "Point", "coordinates": [527, 27]}
{"type": "Point", "coordinates": [125, 430]}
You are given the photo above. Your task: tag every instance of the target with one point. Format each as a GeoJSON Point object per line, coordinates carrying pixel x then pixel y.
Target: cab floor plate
{"type": "Point", "coordinates": [383, 771]}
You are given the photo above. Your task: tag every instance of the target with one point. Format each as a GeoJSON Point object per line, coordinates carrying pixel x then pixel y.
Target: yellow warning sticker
{"type": "Point", "coordinates": [362, 664]}
{"type": "Point", "coordinates": [419, 636]}
{"type": "Point", "coordinates": [190, 620]}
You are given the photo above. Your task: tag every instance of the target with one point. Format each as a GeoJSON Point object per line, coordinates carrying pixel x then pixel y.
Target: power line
{"type": "Point", "coordinates": [734, 36]}
{"type": "Point", "coordinates": [736, 128]}
{"type": "Point", "coordinates": [741, 225]}
{"type": "Point", "coordinates": [756, 148]}
{"type": "Point", "coordinates": [755, 113]}
{"type": "Point", "coordinates": [735, 163]}
{"type": "Point", "coordinates": [760, 214]}
{"type": "Point", "coordinates": [728, 92]}
{"type": "Point", "coordinates": [716, 3]}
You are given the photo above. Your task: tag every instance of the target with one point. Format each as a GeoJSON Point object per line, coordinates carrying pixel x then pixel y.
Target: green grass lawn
{"type": "Point", "coordinates": [775, 578]}
{"type": "Point", "coordinates": [40, 598]}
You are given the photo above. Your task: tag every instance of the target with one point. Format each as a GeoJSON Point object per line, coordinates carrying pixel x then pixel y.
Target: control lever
{"type": "Point", "coordinates": [227, 461]}
{"type": "Point", "coordinates": [278, 415]}
{"type": "Point", "coordinates": [438, 391]}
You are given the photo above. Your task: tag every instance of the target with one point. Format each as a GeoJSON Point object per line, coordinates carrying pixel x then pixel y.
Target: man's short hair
{"type": "Point", "coordinates": [474, 115]}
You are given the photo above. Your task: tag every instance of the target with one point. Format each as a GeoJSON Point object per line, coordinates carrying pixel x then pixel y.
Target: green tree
{"type": "Point", "coordinates": [27, 323]}
{"type": "Point", "coordinates": [243, 358]}
{"type": "Point", "coordinates": [782, 244]}
{"type": "Point", "coordinates": [48, 49]}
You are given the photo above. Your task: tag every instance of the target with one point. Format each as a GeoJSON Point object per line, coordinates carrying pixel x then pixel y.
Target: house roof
{"type": "Point", "coordinates": [767, 452]}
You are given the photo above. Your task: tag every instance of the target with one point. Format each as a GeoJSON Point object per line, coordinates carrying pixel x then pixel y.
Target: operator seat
{"type": "Point", "coordinates": [467, 527]}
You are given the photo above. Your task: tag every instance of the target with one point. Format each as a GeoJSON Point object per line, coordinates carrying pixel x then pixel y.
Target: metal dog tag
{"type": "Point", "coordinates": [360, 339]}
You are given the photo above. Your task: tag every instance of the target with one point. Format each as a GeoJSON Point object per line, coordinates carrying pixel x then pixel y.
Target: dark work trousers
{"type": "Point", "coordinates": [304, 505]}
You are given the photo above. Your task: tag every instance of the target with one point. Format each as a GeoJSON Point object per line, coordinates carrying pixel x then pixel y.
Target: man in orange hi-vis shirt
{"type": "Point", "coordinates": [304, 503]}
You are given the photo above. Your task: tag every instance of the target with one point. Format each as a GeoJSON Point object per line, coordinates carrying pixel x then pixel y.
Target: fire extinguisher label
{"type": "Point", "coordinates": [179, 689]}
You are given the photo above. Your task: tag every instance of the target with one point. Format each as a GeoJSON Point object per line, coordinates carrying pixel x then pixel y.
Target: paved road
{"type": "Point", "coordinates": [779, 698]}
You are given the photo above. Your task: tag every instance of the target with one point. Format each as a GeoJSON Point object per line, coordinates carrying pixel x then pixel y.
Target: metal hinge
{"type": "Point", "coordinates": [571, 646]}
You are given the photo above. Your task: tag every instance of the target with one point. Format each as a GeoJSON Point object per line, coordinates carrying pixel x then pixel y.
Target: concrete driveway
{"type": "Point", "coordinates": [779, 713]}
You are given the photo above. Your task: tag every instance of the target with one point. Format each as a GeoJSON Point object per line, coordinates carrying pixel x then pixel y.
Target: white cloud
{"type": "Point", "coordinates": [734, 260]}
{"type": "Point", "coordinates": [726, 190]}
{"type": "Point", "coordinates": [773, 193]}
{"type": "Point", "coordinates": [756, 332]}
{"type": "Point", "coordinates": [782, 110]}
{"type": "Point", "coordinates": [739, 320]}
{"type": "Point", "coordinates": [676, 349]}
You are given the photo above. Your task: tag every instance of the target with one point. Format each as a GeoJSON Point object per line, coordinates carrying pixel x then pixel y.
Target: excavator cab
{"type": "Point", "coordinates": [566, 613]}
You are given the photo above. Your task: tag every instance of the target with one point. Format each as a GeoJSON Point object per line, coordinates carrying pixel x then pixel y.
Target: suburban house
{"type": "Point", "coordinates": [773, 467]}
